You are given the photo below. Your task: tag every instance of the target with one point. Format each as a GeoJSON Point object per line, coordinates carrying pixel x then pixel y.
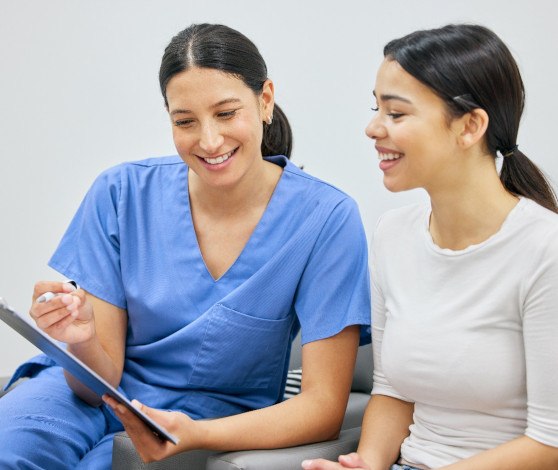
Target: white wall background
{"type": "Point", "coordinates": [79, 93]}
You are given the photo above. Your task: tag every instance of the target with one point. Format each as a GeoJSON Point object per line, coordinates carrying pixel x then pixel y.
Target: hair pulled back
{"type": "Point", "coordinates": [469, 67]}
{"type": "Point", "coordinates": [215, 46]}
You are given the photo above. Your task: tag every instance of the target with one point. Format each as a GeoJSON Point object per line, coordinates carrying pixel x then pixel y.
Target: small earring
{"type": "Point", "coordinates": [269, 120]}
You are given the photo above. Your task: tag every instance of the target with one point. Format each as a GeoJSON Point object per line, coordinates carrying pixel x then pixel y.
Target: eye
{"type": "Point", "coordinates": [227, 114]}
{"type": "Point", "coordinates": [395, 116]}
{"type": "Point", "coordinates": [183, 122]}
{"type": "Point", "coordinates": [375, 108]}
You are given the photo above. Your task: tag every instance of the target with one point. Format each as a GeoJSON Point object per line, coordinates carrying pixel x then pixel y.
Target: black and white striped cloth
{"type": "Point", "coordinates": [294, 380]}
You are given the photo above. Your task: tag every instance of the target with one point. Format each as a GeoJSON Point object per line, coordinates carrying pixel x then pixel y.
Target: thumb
{"type": "Point", "coordinates": [159, 416]}
{"type": "Point", "coordinates": [353, 460]}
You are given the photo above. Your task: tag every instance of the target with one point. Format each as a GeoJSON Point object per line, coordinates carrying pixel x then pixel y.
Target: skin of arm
{"type": "Point", "coordinates": [94, 330]}
{"type": "Point", "coordinates": [384, 428]}
{"type": "Point", "coordinates": [522, 453]}
{"type": "Point", "coordinates": [104, 352]}
{"type": "Point", "coordinates": [385, 425]}
{"type": "Point", "coordinates": [328, 366]}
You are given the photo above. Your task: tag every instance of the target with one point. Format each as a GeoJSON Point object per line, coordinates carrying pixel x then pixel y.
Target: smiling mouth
{"type": "Point", "coordinates": [389, 156]}
{"type": "Point", "coordinates": [220, 158]}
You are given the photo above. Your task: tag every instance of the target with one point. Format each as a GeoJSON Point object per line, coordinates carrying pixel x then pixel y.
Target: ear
{"type": "Point", "coordinates": [472, 127]}
{"type": "Point", "coordinates": [267, 99]}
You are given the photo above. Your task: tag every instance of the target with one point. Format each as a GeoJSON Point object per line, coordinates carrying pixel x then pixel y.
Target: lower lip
{"type": "Point", "coordinates": [217, 166]}
{"type": "Point", "coordinates": [386, 165]}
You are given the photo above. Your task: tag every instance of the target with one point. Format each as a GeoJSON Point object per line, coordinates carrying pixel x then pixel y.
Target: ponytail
{"type": "Point", "coordinates": [277, 136]}
{"type": "Point", "coordinates": [522, 177]}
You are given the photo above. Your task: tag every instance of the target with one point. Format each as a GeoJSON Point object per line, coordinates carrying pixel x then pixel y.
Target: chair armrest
{"type": "Point", "coordinates": [287, 458]}
{"type": "Point", "coordinates": [125, 457]}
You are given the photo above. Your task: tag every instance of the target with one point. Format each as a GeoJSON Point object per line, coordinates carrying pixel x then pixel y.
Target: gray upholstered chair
{"type": "Point", "coordinates": [125, 457]}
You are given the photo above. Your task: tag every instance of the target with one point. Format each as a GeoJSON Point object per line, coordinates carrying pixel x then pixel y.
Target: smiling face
{"type": "Point", "coordinates": [217, 124]}
{"type": "Point", "coordinates": [416, 145]}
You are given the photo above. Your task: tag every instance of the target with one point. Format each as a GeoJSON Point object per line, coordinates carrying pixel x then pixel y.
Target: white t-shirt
{"type": "Point", "coordinates": [469, 336]}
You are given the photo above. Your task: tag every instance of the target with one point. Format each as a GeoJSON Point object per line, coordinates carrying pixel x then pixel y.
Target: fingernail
{"type": "Point", "coordinates": [72, 285]}
{"type": "Point", "coordinates": [67, 299]}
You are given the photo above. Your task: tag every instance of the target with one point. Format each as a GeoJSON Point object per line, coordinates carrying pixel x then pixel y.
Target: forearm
{"type": "Point", "coordinates": [93, 355]}
{"type": "Point", "coordinates": [103, 351]}
{"type": "Point", "coordinates": [522, 453]}
{"type": "Point", "coordinates": [385, 425]}
{"type": "Point", "coordinates": [305, 418]}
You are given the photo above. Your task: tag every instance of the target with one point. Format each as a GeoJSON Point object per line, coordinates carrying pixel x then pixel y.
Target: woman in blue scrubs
{"type": "Point", "coordinates": [197, 271]}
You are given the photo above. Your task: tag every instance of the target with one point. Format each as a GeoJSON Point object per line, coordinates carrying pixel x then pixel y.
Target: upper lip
{"type": "Point", "coordinates": [386, 150]}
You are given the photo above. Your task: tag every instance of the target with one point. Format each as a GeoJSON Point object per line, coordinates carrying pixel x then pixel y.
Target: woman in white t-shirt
{"type": "Point", "coordinates": [465, 289]}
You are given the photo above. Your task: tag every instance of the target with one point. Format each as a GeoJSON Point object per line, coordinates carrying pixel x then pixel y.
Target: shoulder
{"type": "Point", "coordinates": [138, 170]}
{"type": "Point", "coordinates": [135, 166]}
{"type": "Point", "coordinates": [536, 224]}
{"type": "Point", "coordinates": [315, 190]}
{"type": "Point", "coordinates": [403, 219]}
{"type": "Point", "coordinates": [531, 212]}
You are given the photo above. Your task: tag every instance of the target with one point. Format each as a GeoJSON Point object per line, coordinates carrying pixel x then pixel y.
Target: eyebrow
{"type": "Point", "coordinates": [216, 105]}
{"type": "Point", "coordinates": [392, 97]}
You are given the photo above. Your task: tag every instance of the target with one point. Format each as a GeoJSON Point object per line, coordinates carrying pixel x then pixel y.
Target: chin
{"type": "Point", "coordinates": [394, 186]}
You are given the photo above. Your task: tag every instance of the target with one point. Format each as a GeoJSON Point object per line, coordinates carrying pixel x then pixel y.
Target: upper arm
{"type": "Point", "coordinates": [328, 367]}
{"type": "Point", "coordinates": [540, 330]}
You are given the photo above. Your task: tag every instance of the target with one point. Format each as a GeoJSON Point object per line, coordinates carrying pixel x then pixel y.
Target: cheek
{"type": "Point", "coordinates": [182, 142]}
{"type": "Point", "coordinates": [247, 130]}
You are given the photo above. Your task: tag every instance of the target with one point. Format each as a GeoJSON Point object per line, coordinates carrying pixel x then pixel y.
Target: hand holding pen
{"type": "Point", "coordinates": [61, 310]}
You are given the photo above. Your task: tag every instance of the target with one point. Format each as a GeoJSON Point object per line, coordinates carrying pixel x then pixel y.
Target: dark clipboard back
{"type": "Point", "coordinates": [75, 367]}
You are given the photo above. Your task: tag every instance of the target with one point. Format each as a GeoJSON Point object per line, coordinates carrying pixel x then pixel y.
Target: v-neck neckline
{"type": "Point", "coordinates": [253, 236]}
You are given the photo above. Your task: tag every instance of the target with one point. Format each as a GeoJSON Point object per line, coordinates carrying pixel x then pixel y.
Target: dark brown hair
{"type": "Point", "coordinates": [469, 67]}
{"type": "Point", "coordinates": [219, 47]}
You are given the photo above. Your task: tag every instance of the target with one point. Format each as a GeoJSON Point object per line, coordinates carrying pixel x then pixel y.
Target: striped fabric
{"type": "Point", "coordinates": [292, 387]}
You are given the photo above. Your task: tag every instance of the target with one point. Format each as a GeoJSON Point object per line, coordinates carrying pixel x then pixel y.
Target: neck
{"type": "Point", "coordinates": [471, 209]}
{"type": "Point", "coordinates": [254, 188]}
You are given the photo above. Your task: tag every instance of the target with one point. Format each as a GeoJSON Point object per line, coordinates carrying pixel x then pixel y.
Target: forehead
{"type": "Point", "coordinates": [392, 79]}
{"type": "Point", "coordinates": [204, 87]}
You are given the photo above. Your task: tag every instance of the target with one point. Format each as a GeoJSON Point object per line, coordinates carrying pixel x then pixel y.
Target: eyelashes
{"type": "Point", "coordinates": [393, 116]}
{"type": "Point", "coordinates": [228, 114]}
{"type": "Point", "coordinates": [223, 116]}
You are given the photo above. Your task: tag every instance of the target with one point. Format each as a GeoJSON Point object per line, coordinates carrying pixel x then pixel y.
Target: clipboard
{"type": "Point", "coordinates": [74, 366]}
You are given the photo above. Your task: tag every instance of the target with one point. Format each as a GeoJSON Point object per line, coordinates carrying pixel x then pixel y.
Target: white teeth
{"type": "Point", "coordinates": [219, 159]}
{"type": "Point", "coordinates": [389, 156]}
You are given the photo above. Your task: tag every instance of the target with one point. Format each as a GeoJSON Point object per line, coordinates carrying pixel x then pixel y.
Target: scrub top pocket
{"type": "Point", "coordinates": [240, 351]}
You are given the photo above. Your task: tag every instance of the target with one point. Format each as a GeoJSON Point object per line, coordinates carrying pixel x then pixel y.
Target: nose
{"type": "Point", "coordinates": [375, 129]}
{"type": "Point", "coordinates": [210, 138]}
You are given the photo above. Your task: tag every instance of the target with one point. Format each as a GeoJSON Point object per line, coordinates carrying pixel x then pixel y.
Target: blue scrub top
{"type": "Point", "coordinates": [216, 347]}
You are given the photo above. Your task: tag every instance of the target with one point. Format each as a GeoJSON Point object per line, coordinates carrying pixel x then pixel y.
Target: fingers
{"type": "Point", "coordinates": [62, 310]}
{"type": "Point", "coordinates": [352, 460]}
{"type": "Point", "coordinates": [53, 286]}
{"type": "Point", "coordinates": [149, 446]}
{"type": "Point", "coordinates": [320, 464]}
{"type": "Point", "coordinates": [50, 313]}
